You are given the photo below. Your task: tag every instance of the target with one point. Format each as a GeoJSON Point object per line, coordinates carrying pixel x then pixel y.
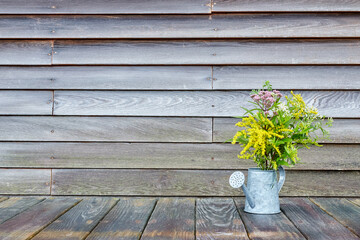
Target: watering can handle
{"type": "Point", "coordinates": [281, 177]}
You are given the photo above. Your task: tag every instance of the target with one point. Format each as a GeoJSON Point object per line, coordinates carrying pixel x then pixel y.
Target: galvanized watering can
{"type": "Point", "coordinates": [262, 191]}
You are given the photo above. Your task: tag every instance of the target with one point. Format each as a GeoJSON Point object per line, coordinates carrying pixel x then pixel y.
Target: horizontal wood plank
{"type": "Point", "coordinates": [342, 131]}
{"type": "Point", "coordinates": [26, 102]}
{"type": "Point", "coordinates": [193, 183]}
{"type": "Point", "coordinates": [25, 181]}
{"type": "Point", "coordinates": [78, 222]}
{"type": "Point", "coordinates": [161, 155]}
{"type": "Point", "coordinates": [181, 52]}
{"type": "Point", "coordinates": [287, 77]}
{"type": "Point", "coordinates": [128, 129]}
{"type": "Point", "coordinates": [31, 221]}
{"type": "Point", "coordinates": [269, 227]}
{"type": "Point", "coordinates": [126, 221]}
{"type": "Point", "coordinates": [191, 103]}
{"type": "Point", "coordinates": [106, 78]}
{"type": "Point", "coordinates": [342, 210]}
{"type": "Point", "coordinates": [180, 26]}
{"type": "Point", "coordinates": [286, 6]}
{"type": "Point", "coordinates": [312, 221]}
{"type": "Point", "coordinates": [25, 52]}
{"type": "Point", "coordinates": [103, 7]}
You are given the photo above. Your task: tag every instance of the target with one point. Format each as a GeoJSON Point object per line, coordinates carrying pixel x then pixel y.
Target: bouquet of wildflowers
{"type": "Point", "coordinates": [274, 130]}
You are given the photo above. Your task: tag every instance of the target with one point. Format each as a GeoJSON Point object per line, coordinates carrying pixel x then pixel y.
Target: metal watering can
{"type": "Point", "coordinates": [262, 191]}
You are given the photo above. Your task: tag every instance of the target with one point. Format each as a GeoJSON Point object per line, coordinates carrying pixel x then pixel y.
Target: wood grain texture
{"type": "Point", "coordinates": [190, 103]}
{"type": "Point", "coordinates": [287, 77]}
{"type": "Point", "coordinates": [26, 102]}
{"type": "Point", "coordinates": [355, 200]}
{"type": "Point", "coordinates": [342, 210]}
{"type": "Point", "coordinates": [78, 222]}
{"type": "Point", "coordinates": [125, 221]}
{"type": "Point", "coordinates": [161, 155]}
{"type": "Point", "coordinates": [181, 52]}
{"type": "Point", "coordinates": [103, 7]}
{"type": "Point", "coordinates": [106, 78]}
{"type": "Point", "coordinates": [271, 227]}
{"type": "Point", "coordinates": [25, 181]}
{"type": "Point", "coordinates": [286, 6]}
{"type": "Point", "coordinates": [3, 199]}
{"type": "Point", "coordinates": [193, 182]}
{"type": "Point", "coordinates": [105, 129]}
{"type": "Point", "coordinates": [180, 26]}
{"type": "Point", "coordinates": [177, 223]}
{"type": "Point", "coordinates": [312, 221]}
{"type": "Point", "coordinates": [218, 219]}
{"type": "Point", "coordinates": [16, 205]}
{"type": "Point", "coordinates": [25, 52]}
{"type": "Point", "coordinates": [31, 221]}
{"type": "Point", "coordinates": [342, 131]}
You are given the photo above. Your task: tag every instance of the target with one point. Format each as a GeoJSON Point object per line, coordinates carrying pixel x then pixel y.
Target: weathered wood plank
{"type": "Point", "coordinates": [181, 26]}
{"type": "Point", "coordinates": [103, 7]}
{"type": "Point", "coordinates": [342, 131]}
{"type": "Point", "coordinates": [25, 181]}
{"type": "Point", "coordinates": [78, 221]}
{"type": "Point", "coordinates": [193, 183]}
{"type": "Point", "coordinates": [312, 221]}
{"type": "Point", "coordinates": [25, 52]}
{"type": "Point", "coordinates": [177, 223]}
{"type": "Point", "coordinates": [274, 226]}
{"type": "Point", "coordinates": [218, 219]}
{"type": "Point", "coordinates": [161, 155]}
{"type": "Point", "coordinates": [286, 6]}
{"type": "Point", "coordinates": [105, 129]}
{"type": "Point", "coordinates": [106, 77]}
{"type": "Point", "coordinates": [26, 102]}
{"type": "Point", "coordinates": [342, 210]}
{"type": "Point", "coordinates": [31, 221]}
{"type": "Point", "coordinates": [16, 205]}
{"type": "Point", "coordinates": [135, 52]}
{"type": "Point", "coordinates": [126, 221]}
{"type": "Point", "coordinates": [190, 103]}
{"type": "Point", "coordinates": [3, 199]}
{"type": "Point", "coordinates": [287, 77]}
{"type": "Point", "coordinates": [355, 200]}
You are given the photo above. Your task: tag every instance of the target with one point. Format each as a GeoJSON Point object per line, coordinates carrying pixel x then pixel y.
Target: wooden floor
{"type": "Point", "coordinates": [175, 218]}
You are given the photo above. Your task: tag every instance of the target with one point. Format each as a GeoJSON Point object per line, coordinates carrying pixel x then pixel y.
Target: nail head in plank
{"type": "Point", "coordinates": [104, 7]}
{"type": "Point", "coordinates": [25, 52]}
{"type": "Point", "coordinates": [218, 219]}
{"type": "Point", "coordinates": [180, 26]}
{"type": "Point", "coordinates": [125, 221]}
{"type": "Point", "coordinates": [302, 77]}
{"type": "Point", "coordinates": [127, 129]}
{"type": "Point", "coordinates": [25, 181]}
{"type": "Point", "coordinates": [106, 78]}
{"type": "Point", "coordinates": [171, 219]}
{"type": "Point", "coordinates": [16, 205]}
{"type": "Point", "coordinates": [31, 221]}
{"type": "Point", "coordinates": [191, 103]}
{"type": "Point", "coordinates": [342, 131]}
{"type": "Point", "coordinates": [26, 102]}
{"type": "Point", "coordinates": [342, 210]}
{"type": "Point", "coordinates": [313, 222]}
{"type": "Point", "coordinates": [286, 6]}
{"type": "Point", "coordinates": [274, 226]}
{"type": "Point", "coordinates": [78, 222]}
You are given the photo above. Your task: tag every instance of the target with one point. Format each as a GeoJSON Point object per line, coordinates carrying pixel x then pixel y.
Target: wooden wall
{"type": "Point", "coordinates": [136, 97]}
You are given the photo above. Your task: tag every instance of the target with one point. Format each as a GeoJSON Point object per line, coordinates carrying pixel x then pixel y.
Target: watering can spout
{"type": "Point", "coordinates": [237, 180]}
